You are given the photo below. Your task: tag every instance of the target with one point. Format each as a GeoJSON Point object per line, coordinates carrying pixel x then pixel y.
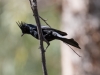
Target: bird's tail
{"type": "Point", "coordinates": [71, 42]}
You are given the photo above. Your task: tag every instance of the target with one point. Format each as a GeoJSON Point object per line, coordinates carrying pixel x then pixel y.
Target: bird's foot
{"type": "Point", "coordinates": [47, 46]}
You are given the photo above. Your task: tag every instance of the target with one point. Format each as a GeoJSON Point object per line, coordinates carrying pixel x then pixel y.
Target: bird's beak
{"type": "Point", "coordinates": [22, 34]}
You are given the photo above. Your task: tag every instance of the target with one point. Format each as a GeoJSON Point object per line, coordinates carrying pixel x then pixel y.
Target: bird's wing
{"type": "Point", "coordinates": [58, 31]}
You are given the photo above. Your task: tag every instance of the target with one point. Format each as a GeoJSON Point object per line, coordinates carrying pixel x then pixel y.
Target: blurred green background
{"type": "Point", "coordinates": [20, 55]}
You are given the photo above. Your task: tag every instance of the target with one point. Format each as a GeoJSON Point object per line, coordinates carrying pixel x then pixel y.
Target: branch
{"type": "Point", "coordinates": [33, 4]}
{"type": "Point", "coordinates": [44, 21]}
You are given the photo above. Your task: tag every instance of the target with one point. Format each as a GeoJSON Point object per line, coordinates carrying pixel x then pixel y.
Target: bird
{"type": "Point", "coordinates": [49, 33]}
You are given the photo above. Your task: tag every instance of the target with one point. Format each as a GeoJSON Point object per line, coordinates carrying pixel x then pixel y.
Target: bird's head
{"type": "Point", "coordinates": [24, 28]}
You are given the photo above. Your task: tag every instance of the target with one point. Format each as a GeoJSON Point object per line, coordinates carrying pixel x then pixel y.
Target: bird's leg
{"type": "Point", "coordinates": [46, 40]}
{"type": "Point", "coordinates": [47, 46]}
{"type": "Point", "coordinates": [47, 43]}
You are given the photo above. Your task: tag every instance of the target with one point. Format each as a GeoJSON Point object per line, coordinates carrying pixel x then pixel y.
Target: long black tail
{"type": "Point", "coordinates": [70, 42]}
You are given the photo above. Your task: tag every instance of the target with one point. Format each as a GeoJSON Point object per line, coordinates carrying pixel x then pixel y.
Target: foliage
{"type": "Point", "coordinates": [20, 55]}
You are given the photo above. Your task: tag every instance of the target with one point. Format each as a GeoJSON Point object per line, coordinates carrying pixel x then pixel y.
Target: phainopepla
{"type": "Point", "coordinates": [48, 33]}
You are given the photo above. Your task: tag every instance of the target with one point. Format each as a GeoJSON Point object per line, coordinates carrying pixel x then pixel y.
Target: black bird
{"type": "Point", "coordinates": [48, 33]}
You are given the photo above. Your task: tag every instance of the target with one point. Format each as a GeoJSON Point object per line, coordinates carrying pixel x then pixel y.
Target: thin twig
{"type": "Point", "coordinates": [33, 4]}
{"type": "Point", "coordinates": [44, 21]}
{"type": "Point", "coordinates": [74, 51]}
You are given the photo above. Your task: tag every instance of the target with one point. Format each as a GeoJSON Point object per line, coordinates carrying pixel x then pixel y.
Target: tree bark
{"type": "Point", "coordinates": [73, 21]}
